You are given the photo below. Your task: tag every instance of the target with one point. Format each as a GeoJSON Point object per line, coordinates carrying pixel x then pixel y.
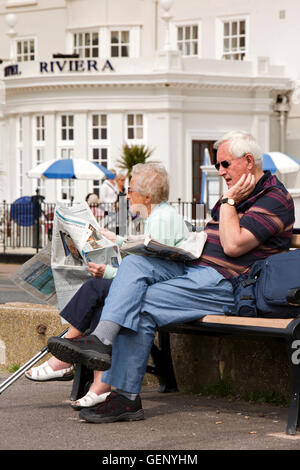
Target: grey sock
{"type": "Point", "coordinates": [106, 331]}
{"type": "Point", "coordinates": [130, 396]}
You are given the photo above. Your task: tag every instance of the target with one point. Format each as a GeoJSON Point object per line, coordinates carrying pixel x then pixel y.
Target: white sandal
{"type": "Point", "coordinates": [90, 399]}
{"type": "Point", "coordinates": [45, 373]}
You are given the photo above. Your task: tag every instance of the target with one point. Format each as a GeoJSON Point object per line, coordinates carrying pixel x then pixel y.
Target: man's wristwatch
{"type": "Point", "coordinates": [228, 200]}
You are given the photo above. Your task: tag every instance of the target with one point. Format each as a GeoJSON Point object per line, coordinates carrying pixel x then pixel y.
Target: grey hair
{"type": "Point", "coordinates": [152, 178]}
{"type": "Point", "coordinates": [240, 143]}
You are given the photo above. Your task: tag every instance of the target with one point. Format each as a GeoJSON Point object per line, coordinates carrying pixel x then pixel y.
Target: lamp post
{"type": "Point", "coordinates": [11, 21]}
{"type": "Point", "coordinates": [166, 5]}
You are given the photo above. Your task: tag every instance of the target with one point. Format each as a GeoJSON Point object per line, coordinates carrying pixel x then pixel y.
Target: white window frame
{"type": "Point", "coordinates": [39, 157]}
{"type": "Point", "coordinates": [104, 35]}
{"type": "Point", "coordinates": [65, 142]}
{"type": "Point", "coordinates": [65, 149]}
{"type": "Point", "coordinates": [182, 24]}
{"type": "Point", "coordinates": [220, 36]}
{"type": "Point", "coordinates": [100, 127]}
{"type": "Point", "coordinates": [135, 127]}
{"type": "Point", "coordinates": [94, 185]}
{"type": "Point", "coordinates": [38, 129]}
{"type": "Point", "coordinates": [188, 41]}
{"type": "Point", "coordinates": [119, 45]}
{"type": "Point", "coordinates": [23, 40]}
{"type": "Point", "coordinates": [83, 48]}
{"type": "Point", "coordinates": [100, 144]}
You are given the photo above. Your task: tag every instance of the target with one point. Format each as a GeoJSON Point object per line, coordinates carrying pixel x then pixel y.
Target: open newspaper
{"type": "Point", "coordinates": [76, 241]}
{"type": "Point", "coordinates": [190, 249]}
{"type": "Point", "coordinates": [56, 273]}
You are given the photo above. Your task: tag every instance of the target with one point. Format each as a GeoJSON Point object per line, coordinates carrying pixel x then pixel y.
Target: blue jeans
{"type": "Point", "coordinates": [151, 292]}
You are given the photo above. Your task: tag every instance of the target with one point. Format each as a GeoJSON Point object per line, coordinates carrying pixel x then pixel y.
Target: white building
{"type": "Point", "coordinates": [174, 79]}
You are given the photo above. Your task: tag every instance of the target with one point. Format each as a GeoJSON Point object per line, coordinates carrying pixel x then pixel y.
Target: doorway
{"type": "Point", "coordinates": [199, 154]}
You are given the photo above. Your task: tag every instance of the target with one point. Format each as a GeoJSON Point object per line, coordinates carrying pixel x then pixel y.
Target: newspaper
{"type": "Point", "coordinates": [76, 241]}
{"type": "Point", "coordinates": [35, 276]}
{"type": "Point", "coordinates": [57, 271]}
{"type": "Point", "coordinates": [190, 249]}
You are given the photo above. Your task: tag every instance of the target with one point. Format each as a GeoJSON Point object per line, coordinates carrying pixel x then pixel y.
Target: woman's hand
{"type": "Point", "coordinates": [96, 270]}
{"type": "Point", "coordinates": [108, 234]}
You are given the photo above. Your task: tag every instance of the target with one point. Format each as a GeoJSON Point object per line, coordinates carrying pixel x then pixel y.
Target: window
{"type": "Point", "coordinates": [66, 153]}
{"type": "Point", "coordinates": [234, 39]}
{"type": "Point", "coordinates": [39, 158]}
{"type": "Point", "coordinates": [86, 44]}
{"type": "Point", "coordinates": [39, 128]}
{"type": "Point", "coordinates": [187, 39]}
{"type": "Point", "coordinates": [119, 43]}
{"type": "Point", "coordinates": [99, 155]}
{"type": "Point", "coordinates": [25, 50]}
{"type": "Point", "coordinates": [67, 127]}
{"type": "Point", "coordinates": [135, 126]}
{"type": "Point", "coordinates": [99, 127]}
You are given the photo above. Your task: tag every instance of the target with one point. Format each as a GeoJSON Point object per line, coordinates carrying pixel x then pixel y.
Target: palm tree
{"type": "Point", "coordinates": [131, 155]}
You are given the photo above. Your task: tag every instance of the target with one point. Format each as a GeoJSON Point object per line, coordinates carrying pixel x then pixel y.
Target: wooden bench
{"type": "Point", "coordinates": [287, 330]}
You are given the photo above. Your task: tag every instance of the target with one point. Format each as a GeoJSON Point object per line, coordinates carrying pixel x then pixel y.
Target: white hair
{"type": "Point", "coordinates": [152, 178]}
{"type": "Point", "coordinates": [240, 143]}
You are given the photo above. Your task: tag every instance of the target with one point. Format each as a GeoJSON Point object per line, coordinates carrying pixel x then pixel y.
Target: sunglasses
{"type": "Point", "coordinates": [224, 164]}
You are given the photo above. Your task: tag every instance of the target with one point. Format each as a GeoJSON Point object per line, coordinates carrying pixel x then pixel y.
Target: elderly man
{"type": "Point", "coordinates": [252, 220]}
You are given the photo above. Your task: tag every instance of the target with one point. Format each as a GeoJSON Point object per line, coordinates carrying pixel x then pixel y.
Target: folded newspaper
{"type": "Point", "coordinates": [56, 273]}
{"type": "Point", "coordinates": [190, 249]}
{"type": "Point", "coordinates": [35, 276]}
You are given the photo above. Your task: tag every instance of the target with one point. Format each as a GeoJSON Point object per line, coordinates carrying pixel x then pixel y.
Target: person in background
{"type": "Point", "coordinates": [121, 184]}
{"type": "Point", "coordinates": [109, 190]}
{"type": "Point", "coordinates": [93, 202]}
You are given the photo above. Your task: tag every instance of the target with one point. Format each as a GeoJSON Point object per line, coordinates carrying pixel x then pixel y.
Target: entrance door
{"type": "Point", "coordinates": [198, 153]}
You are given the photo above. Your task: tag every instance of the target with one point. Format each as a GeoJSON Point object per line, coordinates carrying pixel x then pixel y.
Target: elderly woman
{"type": "Point", "coordinates": [148, 194]}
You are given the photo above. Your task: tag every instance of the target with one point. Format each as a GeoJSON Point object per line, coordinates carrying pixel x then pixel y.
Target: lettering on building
{"type": "Point", "coordinates": [77, 65]}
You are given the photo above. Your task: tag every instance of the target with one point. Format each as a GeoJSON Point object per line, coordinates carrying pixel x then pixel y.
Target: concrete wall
{"type": "Point", "coordinates": [24, 331]}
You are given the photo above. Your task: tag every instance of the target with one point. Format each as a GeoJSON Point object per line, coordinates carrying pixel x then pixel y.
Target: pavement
{"type": "Point", "coordinates": [38, 416]}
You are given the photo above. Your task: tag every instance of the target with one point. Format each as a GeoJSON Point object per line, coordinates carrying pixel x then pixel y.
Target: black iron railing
{"type": "Point", "coordinates": [31, 225]}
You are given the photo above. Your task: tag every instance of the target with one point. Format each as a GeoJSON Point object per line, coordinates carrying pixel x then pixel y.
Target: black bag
{"type": "Point", "coordinates": [262, 293]}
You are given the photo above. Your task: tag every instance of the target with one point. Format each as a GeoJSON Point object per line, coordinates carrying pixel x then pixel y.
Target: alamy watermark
{"type": "Point", "coordinates": [296, 353]}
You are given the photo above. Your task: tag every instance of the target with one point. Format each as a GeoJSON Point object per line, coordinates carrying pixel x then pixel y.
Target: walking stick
{"type": "Point", "coordinates": [16, 375]}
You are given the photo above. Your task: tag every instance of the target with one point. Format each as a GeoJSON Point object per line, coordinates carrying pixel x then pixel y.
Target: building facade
{"type": "Point", "coordinates": [80, 78]}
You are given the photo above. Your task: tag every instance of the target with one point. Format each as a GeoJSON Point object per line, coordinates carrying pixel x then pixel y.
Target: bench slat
{"type": "Point", "coordinates": [295, 241]}
{"type": "Point", "coordinates": [248, 321]}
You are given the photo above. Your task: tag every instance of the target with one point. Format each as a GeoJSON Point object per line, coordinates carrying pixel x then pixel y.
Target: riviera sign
{"type": "Point", "coordinates": [77, 65]}
{"type": "Point", "coordinates": [66, 66]}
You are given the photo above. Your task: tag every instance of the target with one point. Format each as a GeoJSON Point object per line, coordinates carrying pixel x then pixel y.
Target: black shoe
{"type": "Point", "coordinates": [115, 408]}
{"type": "Point", "coordinates": [87, 350]}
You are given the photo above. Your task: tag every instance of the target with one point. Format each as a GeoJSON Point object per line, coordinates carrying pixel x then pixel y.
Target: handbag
{"type": "Point", "coordinates": [263, 292]}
